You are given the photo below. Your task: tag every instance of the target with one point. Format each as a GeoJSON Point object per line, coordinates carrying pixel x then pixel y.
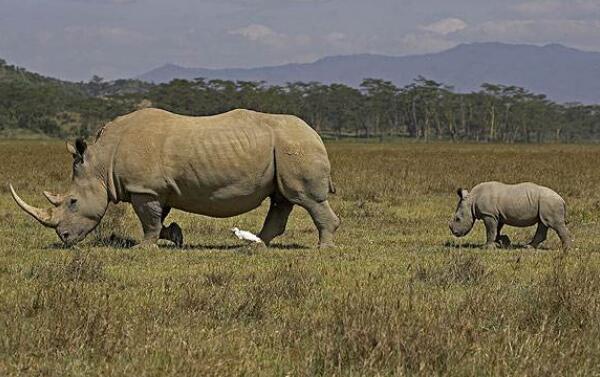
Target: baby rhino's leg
{"type": "Point", "coordinates": [553, 215]}
{"type": "Point", "coordinates": [565, 236]}
{"type": "Point", "coordinates": [540, 235]}
{"type": "Point", "coordinates": [491, 230]}
{"type": "Point", "coordinates": [563, 233]}
{"type": "Point", "coordinates": [502, 239]}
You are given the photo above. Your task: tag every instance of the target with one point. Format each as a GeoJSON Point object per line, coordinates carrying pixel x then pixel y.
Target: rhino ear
{"type": "Point", "coordinates": [78, 149]}
{"type": "Point", "coordinates": [71, 149]}
{"type": "Point", "coordinates": [462, 193]}
{"type": "Point", "coordinates": [81, 146]}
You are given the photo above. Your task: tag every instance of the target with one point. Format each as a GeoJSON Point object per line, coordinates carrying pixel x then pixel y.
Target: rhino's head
{"type": "Point", "coordinates": [464, 219]}
{"type": "Point", "coordinates": [80, 210]}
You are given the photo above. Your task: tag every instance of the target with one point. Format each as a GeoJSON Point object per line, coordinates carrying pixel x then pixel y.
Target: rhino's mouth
{"type": "Point", "coordinates": [70, 239]}
{"type": "Point", "coordinates": [458, 233]}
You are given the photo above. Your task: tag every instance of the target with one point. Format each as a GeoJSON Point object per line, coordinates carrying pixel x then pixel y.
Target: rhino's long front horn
{"type": "Point", "coordinates": [44, 216]}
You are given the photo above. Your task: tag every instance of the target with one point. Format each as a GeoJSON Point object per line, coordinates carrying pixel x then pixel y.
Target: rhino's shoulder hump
{"type": "Point", "coordinates": [486, 186]}
{"type": "Point", "coordinates": [120, 123]}
{"type": "Point", "coordinates": [151, 112]}
{"type": "Point", "coordinates": [140, 115]}
{"type": "Point", "coordinates": [530, 184]}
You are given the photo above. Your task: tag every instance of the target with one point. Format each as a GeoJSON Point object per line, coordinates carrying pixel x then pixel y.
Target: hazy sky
{"type": "Point", "coordinates": [74, 39]}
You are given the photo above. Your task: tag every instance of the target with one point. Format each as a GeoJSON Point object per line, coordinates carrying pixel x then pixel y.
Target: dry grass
{"type": "Point", "coordinates": [399, 296]}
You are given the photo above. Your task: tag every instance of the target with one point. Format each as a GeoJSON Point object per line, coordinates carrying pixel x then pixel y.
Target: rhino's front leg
{"type": "Point", "coordinates": [149, 211]}
{"type": "Point", "coordinates": [491, 230]}
{"type": "Point", "coordinates": [151, 214]}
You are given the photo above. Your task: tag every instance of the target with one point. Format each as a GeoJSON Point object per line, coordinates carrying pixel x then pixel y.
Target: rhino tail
{"type": "Point", "coordinates": [331, 186]}
{"type": "Point", "coordinates": [566, 218]}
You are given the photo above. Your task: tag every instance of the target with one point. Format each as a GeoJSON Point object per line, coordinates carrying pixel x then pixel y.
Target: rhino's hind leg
{"type": "Point", "coordinates": [276, 220]}
{"type": "Point", "coordinates": [553, 214]}
{"type": "Point", "coordinates": [325, 220]}
{"type": "Point", "coordinates": [540, 235]}
{"type": "Point", "coordinates": [565, 236]}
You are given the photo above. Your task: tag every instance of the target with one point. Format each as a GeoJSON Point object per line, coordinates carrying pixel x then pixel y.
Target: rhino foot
{"type": "Point", "coordinates": [328, 245]}
{"type": "Point", "coordinates": [490, 246]}
{"type": "Point", "coordinates": [257, 245]}
{"type": "Point", "coordinates": [146, 245]}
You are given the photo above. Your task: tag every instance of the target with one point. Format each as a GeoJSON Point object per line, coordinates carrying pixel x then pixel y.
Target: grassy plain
{"type": "Point", "coordinates": [399, 296]}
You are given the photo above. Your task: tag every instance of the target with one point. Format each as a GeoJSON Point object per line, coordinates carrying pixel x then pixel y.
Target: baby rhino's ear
{"type": "Point", "coordinates": [462, 193]}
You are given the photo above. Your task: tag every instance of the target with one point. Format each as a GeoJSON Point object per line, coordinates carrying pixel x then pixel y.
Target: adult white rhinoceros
{"type": "Point", "coordinates": [218, 166]}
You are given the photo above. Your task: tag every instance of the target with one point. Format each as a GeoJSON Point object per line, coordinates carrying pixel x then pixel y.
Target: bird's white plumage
{"type": "Point", "coordinates": [245, 235]}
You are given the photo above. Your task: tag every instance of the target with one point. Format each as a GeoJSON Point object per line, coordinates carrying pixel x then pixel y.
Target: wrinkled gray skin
{"type": "Point", "coordinates": [520, 205]}
{"type": "Point", "coordinates": [218, 166]}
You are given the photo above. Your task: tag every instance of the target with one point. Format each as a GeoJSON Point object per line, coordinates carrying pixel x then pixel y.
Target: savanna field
{"type": "Point", "coordinates": [399, 296]}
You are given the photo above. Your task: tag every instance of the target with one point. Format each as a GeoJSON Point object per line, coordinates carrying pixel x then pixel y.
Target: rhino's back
{"type": "Point", "coordinates": [516, 204]}
{"type": "Point", "coordinates": [496, 188]}
{"type": "Point", "coordinates": [218, 165]}
{"type": "Point", "coordinates": [500, 189]}
{"type": "Point", "coordinates": [198, 164]}
{"type": "Point", "coordinates": [150, 124]}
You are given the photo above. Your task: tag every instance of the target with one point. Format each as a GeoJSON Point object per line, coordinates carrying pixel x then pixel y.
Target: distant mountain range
{"type": "Point", "coordinates": [564, 74]}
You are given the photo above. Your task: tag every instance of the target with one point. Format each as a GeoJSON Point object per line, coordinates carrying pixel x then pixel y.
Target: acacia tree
{"type": "Point", "coordinates": [344, 108]}
{"type": "Point", "coordinates": [380, 105]}
{"type": "Point", "coordinates": [492, 97]}
{"type": "Point", "coordinates": [425, 102]}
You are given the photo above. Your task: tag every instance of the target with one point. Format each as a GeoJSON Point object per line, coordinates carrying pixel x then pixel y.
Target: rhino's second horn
{"type": "Point", "coordinates": [55, 199]}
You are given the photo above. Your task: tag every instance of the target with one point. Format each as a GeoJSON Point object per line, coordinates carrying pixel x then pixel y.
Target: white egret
{"type": "Point", "coordinates": [245, 235]}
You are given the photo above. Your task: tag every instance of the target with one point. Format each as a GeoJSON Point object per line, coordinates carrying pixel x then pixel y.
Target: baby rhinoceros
{"type": "Point", "coordinates": [521, 205]}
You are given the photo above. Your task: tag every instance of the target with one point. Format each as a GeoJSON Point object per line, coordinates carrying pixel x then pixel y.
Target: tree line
{"type": "Point", "coordinates": [38, 105]}
{"type": "Point", "coordinates": [425, 109]}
